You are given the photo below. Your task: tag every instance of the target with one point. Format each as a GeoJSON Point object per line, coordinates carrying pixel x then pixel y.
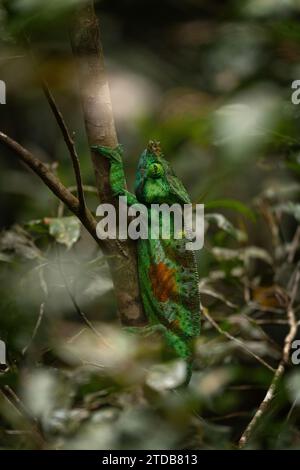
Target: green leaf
{"type": "Point", "coordinates": [5, 258]}
{"type": "Point", "coordinates": [290, 208]}
{"type": "Point", "coordinates": [293, 166]}
{"type": "Point", "coordinates": [233, 204]}
{"type": "Point", "coordinates": [245, 254]}
{"type": "Point", "coordinates": [224, 224]}
{"type": "Point", "coordinates": [65, 230]}
{"type": "Point", "coordinates": [37, 226]}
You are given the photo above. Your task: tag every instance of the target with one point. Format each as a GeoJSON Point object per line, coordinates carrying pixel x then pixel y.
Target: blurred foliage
{"type": "Point", "coordinates": [212, 81]}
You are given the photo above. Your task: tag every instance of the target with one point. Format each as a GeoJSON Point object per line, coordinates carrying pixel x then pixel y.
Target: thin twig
{"type": "Point", "coordinates": [206, 290]}
{"type": "Point", "coordinates": [267, 321]}
{"type": "Point", "coordinates": [235, 340]}
{"type": "Point", "coordinates": [93, 364]}
{"type": "Point", "coordinates": [21, 407]}
{"type": "Point", "coordinates": [78, 310]}
{"type": "Point", "coordinates": [294, 246]}
{"type": "Point", "coordinates": [63, 127]}
{"type": "Point", "coordinates": [246, 387]}
{"type": "Point", "coordinates": [270, 340]}
{"type": "Point", "coordinates": [237, 414]}
{"type": "Point", "coordinates": [42, 170]}
{"type": "Point", "coordinates": [265, 404]}
{"type": "Point", "coordinates": [17, 432]}
{"type": "Point", "coordinates": [74, 337]}
{"type": "Point", "coordinates": [14, 401]}
{"type": "Point", "coordinates": [38, 323]}
{"type": "Point", "coordinates": [69, 143]}
{"type": "Point", "coordinates": [271, 321]}
{"type": "Point", "coordinates": [73, 189]}
{"type": "Point", "coordinates": [294, 404]}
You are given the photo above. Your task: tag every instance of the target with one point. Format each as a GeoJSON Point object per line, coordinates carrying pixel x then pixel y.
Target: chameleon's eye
{"type": "Point", "coordinates": [155, 170]}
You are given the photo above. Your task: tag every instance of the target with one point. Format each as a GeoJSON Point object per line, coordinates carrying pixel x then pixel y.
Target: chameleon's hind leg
{"type": "Point", "coordinates": [153, 326]}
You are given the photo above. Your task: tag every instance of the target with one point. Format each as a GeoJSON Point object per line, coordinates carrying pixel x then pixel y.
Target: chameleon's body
{"type": "Point", "coordinates": [167, 271]}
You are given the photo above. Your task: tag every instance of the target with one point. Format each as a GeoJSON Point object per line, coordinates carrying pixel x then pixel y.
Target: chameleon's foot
{"type": "Point", "coordinates": [145, 330]}
{"type": "Point", "coordinates": [108, 152]}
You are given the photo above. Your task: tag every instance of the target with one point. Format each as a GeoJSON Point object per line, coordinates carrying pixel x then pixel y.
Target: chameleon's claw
{"type": "Point", "coordinates": [108, 152]}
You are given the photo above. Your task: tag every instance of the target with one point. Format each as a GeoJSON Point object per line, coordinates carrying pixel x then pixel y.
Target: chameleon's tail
{"type": "Point", "coordinates": [183, 348]}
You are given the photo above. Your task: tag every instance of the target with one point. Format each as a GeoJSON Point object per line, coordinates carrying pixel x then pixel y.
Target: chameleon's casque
{"type": "Point", "coordinates": [167, 271]}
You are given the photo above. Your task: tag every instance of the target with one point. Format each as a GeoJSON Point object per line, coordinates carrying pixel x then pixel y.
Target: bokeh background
{"type": "Point", "coordinates": [212, 82]}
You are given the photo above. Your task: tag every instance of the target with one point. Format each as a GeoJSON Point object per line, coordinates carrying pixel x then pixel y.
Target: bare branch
{"type": "Point", "coordinates": [36, 328]}
{"type": "Point", "coordinates": [69, 143]}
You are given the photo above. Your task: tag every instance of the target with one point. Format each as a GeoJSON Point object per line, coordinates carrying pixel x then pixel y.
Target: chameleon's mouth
{"type": "Point", "coordinates": [155, 175]}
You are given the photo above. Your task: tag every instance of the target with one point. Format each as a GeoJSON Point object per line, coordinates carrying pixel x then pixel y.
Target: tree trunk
{"type": "Point", "coordinates": [100, 128]}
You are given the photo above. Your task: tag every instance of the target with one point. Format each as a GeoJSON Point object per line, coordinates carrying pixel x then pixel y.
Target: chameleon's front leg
{"type": "Point", "coordinates": [116, 176]}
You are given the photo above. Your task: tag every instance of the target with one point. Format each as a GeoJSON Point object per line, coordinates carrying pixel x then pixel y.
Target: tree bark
{"type": "Point", "coordinates": [100, 129]}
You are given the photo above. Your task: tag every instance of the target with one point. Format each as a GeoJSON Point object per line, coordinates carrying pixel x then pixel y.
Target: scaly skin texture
{"type": "Point", "coordinates": [167, 271]}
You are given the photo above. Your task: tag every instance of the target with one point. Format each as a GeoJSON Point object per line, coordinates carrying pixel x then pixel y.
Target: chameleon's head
{"type": "Point", "coordinates": [151, 185]}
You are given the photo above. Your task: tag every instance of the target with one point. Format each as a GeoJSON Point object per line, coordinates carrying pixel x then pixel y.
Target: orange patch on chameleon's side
{"type": "Point", "coordinates": [163, 281]}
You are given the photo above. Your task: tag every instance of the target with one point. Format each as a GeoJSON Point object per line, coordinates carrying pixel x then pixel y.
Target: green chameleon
{"type": "Point", "coordinates": [167, 271]}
